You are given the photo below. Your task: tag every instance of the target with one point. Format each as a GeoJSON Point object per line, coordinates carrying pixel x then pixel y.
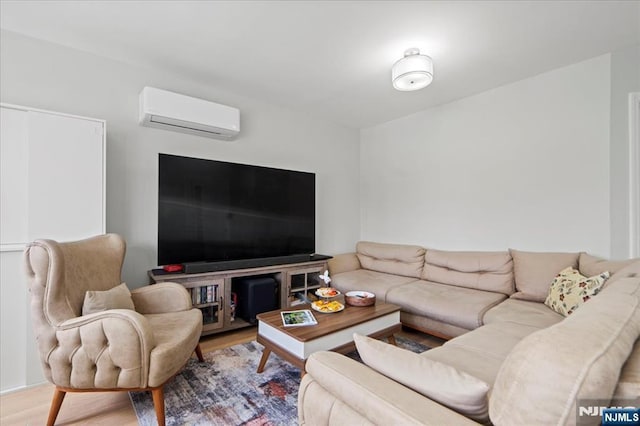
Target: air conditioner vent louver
{"type": "Point", "coordinates": [172, 111]}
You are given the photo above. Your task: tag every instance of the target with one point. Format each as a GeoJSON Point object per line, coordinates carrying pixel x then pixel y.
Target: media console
{"type": "Point", "coordinates": [211, 290]}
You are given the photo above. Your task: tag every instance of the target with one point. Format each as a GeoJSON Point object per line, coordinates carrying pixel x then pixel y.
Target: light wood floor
{"type": "Point", "coordinates": [31, 406]}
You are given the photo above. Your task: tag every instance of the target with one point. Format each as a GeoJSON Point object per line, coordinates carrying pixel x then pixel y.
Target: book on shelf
{"type": "Point", "coordinates": [298, 318]}
{"type": "Point", "coordinates": [204, 294]}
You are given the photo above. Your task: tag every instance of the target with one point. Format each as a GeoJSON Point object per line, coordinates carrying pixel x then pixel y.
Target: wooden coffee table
{"type": "Point", "coordinates": [333, 332]}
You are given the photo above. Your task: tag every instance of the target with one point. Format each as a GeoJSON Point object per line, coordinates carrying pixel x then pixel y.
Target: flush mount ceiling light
{"type": "Point", "coordinates": [413, 72]}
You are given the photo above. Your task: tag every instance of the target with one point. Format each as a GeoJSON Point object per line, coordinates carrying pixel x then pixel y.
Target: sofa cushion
{"type": "Point", "coordinates": [629, 271]}
{"type": "Point", "coordinates": [344, 262]}
{"type": "Point", "coordinates": [534, 272]}
{"type": "Point", "coordinates": [440, 382]}
{"type": "Point", "coordinates": [592, 265]}
{"type": "Point", "coordinates": [481, 352]}
{"type": "Point", "coordinates": [118, 297]}
{"type": "Point", "coordinates": [522, 312]}
{"type": "Point", "coordinates": [395, 259]}
{"type": "Point", "coordinates": [459, 306]}
{"type": "Point", "coordinates": [490, 271]}
{"type": "Point", "coordinates": [362, 279]}
{"type": "Point", "coordinates": [578, 358]}
{"type": "Point", "coordinates": [570, 290]}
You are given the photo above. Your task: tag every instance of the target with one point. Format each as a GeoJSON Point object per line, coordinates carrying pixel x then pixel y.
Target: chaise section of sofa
{"type": "Point", "coordinates": [340, 391]}
{"type": "Point", "coordinates": [538, 364]}
{"type": "Point", "coordinates": [578, 359]}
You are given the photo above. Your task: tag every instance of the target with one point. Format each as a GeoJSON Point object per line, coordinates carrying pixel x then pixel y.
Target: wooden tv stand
{"type": "Point", "coordinates": [211, 291]}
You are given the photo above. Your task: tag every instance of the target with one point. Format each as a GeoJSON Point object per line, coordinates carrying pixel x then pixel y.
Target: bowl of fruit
{"type": "Point", "coordinates": [327, 292]}
{"type": "Point", "coordinates": [327, 306]}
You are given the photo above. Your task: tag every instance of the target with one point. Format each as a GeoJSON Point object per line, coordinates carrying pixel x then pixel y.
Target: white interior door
{"type": "Point", "coordinates": [14, 169]}
{"type": "Point", "coordinates": [65, 178]}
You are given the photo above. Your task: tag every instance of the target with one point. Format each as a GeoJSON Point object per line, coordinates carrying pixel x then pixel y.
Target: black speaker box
{"type": "Point", "coordinates": [255, 295]}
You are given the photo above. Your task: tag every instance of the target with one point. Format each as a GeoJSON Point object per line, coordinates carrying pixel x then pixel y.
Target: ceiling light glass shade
{"type": "Point", "coordinates": [413, 72]}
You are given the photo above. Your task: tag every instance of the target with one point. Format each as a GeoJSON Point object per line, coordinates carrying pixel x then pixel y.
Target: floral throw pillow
{"type": "Point", "coordinates": [570, 289]}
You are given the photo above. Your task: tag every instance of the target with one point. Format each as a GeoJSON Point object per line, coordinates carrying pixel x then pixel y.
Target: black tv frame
{"type": "Point", "coordinates": [215, 181]}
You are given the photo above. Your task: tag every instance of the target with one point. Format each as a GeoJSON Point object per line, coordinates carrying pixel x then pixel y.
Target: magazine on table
{"type": "Point", "coordinates": [298, 318]}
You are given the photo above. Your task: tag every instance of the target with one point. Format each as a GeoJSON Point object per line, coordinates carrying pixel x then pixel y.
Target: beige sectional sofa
{"type": "Point", "coordinates": [535, 365]}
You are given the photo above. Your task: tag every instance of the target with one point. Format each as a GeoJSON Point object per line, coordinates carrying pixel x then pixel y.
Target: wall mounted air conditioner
{"type": "Point", "coordinates": [180, 113]}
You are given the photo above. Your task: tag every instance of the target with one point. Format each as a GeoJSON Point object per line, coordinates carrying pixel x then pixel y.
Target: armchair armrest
{"type": "Point", "coordinates": [109, 349]}
{"type": "Point", "coordinates": [343, 263]}
{"type": "Point", "coordinates": [161, 298]}
{"type": "Point", "coordinates": [368, 393]}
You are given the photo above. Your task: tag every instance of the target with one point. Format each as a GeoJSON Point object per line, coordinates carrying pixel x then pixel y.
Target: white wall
{"type": "Point", "coordinates": [525, 165]}
{"type": "Point", "coordinates": [625, 78]}
{"type": "Point", "coordinates": [49, 76]}
{"type": "Point", "coordinates": [52, 77]}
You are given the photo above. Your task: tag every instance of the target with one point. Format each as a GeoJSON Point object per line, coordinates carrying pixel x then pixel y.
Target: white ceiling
{"type": "Point", "coordinates": [333, 58]}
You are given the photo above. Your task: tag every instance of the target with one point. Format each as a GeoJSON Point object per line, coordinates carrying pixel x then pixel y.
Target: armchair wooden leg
{"type": "Point", "coordinates": [158, 403]}
{"type": "Point", "coordinates": [199, 353]}
{"type": "Point", "coordinates": [56, 402]}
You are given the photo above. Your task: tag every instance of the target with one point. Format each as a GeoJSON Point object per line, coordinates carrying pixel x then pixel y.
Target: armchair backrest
{"type": "Point", "coordinates": [59, 274]}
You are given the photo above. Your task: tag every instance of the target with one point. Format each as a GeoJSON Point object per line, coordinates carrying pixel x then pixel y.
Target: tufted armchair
{"type": "Point", "coordinates": [111, 350]}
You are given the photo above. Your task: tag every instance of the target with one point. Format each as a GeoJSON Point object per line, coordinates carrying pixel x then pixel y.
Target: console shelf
{"type": "Point", "coordinates": [214, 289]}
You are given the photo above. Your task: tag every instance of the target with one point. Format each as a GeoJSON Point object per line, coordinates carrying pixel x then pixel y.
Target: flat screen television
{"type": "Point", "coordinates": [215, 211]}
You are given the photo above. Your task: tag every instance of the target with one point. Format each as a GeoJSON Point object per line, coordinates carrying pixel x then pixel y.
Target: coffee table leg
{"type": "Point", "coordinates": [392, 340]}
{"type": "Point", "coordinates": [265, 356]}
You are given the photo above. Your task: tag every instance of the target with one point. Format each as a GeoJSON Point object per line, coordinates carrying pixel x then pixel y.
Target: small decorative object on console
{"type": "Point", "coordinates": [359, 298]}
{"type": "Point", "coordinates": [325, 277]}
{"type": "Point", "coordinates": [172, 268]}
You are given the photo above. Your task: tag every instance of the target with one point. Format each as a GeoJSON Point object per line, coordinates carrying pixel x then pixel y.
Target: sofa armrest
{"type": "Point", "coordinates": [161, 298]}
{"type": "Point", "coordinates": [343, 263]}
{"type": "Point", "coordinates": [368, 393]}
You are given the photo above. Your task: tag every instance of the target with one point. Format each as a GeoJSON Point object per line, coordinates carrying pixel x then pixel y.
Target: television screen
{"type": "Point", "coordinates": [218, 211]}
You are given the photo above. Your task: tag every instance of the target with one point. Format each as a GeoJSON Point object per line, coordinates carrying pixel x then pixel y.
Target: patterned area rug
{"type": "Point", "coordinates": [226, 390]}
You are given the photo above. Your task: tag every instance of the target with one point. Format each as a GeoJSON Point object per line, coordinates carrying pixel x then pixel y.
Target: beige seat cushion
{"type": "Point", "coordinates": [522, 312]}
{"type": "Point", "coordinates": [534, 272]}
{"type": "Point", "coordinates": [176, 334]}
{"type": "Point", "coordinates": [438, 381]}
{"type": "Point", "coordinates": [490, 271]}
{"type": "Point", "coordinates": [482, 351]}
{"type": "Point", "coordinates": [463, 307]}
{"type": "Point", "coordinates": [395, 259]}
{"type": "Point", "coordinates": [478, 364]}
{"type": "Point", "coordinates": [578, 358]}
{"type": "Point", "coordinates": [378, 283]}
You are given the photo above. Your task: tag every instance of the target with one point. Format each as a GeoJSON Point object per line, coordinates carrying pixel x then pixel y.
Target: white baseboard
{"type": "Point", "coordinates": [21, 388]}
